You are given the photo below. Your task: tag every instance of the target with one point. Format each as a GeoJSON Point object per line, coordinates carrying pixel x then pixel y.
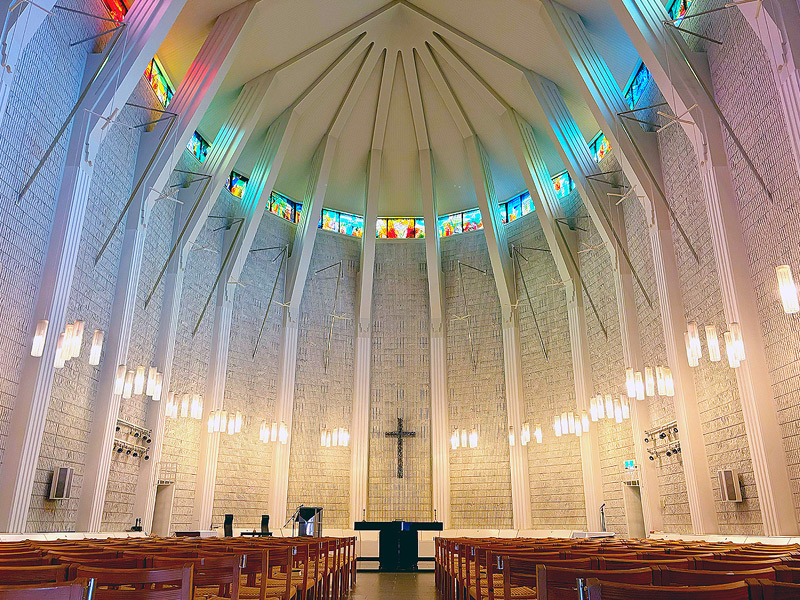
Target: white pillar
{"type": "Point", "coordinates": [605, 100]}
{"type": "Point", "coordinates": [642, 20]}
{"type": "Point", "coordinates": [148, 23]}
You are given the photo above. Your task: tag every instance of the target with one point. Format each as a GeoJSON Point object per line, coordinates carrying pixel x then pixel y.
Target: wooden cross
{"type": "Point", "coordinates": [400, 434]}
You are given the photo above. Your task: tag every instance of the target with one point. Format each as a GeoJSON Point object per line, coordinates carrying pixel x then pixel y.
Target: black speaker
{"type": "Point", "coordinates": [228, 525]}
{"type": "Point", "coordinates": [265, 524]}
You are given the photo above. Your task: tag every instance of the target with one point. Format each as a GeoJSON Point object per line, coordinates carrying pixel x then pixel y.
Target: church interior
{"type": "Point", "coordinates": [457, 299]}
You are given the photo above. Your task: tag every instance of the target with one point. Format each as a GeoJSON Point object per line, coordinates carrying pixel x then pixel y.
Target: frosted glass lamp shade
{"type": "Point", "coordinates": [712, 341]}
{"type": "Point", "coordinates": [66, 345]}
{"type": "Point", "coordinates": [537, 434]}
{"type": "Point", "coordinates": [119, 380]}
{"type": "Point", "coordinates": [76, 341]}
{"type": "Point", "coordinates": [649, 382]}
{"type": "Point", "coordinates": [157, 386]}
{"type": "Point", "coordinates": [127, 388]}
{"type": "Point", "coordinates": [630, 383]}
{"type": "Point", "coordinates": [61, 348]}
{"type": "Point", "coordinates": [138, 381]}
{"type": "Point", "coordinates": [39, 337]}
{"type": "Point", "coordinates": [97, 347]}
{"type": "Point", "coordinates": [150, 386]}
{"type": "Point", "coordinates": [640, 388]}
{"type": "Point", "coordinates": [788, 289]}
{"type": "Point", "coordinates": [185, 406]}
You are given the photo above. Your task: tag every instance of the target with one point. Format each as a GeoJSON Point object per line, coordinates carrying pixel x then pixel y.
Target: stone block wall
{"type": "Point", "coordinates": [480, 478]}
{"type": "Point", "coordinates": [244, 463]}
{"type": "Point", "coordinates": [400, 383]}
{"type": "Point", "coordinates": [556, 480]}
{"type": "Point", "coordinates": [324, 398]}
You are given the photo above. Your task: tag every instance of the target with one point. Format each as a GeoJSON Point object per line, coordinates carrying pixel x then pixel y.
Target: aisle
{"type": "Point", "coordinates": [394, 586]}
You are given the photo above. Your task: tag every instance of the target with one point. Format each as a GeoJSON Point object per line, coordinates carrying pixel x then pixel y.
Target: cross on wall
{"type": "Point", "coordinates": [400, 434]}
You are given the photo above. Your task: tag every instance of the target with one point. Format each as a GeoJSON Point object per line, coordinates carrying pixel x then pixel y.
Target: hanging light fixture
{"type": "Point", "coordinates": [76, 341]}
{"type": "Point", "coordinates": [557, 426]}
{"type": "Point", "coordinates": [660, 388]}
{"type": "Point", "coordinates": [66, 343]}
{"type": "Point", "coordinates": [630, 383]}
{"type": "Point", "coordinates": [537, 433]}
{"type": "Point", "coordinates": [787, 289]}
{"type": "Point", "coordinates": [473, 438]}
{"type": "Point", "coordinates": [738, 341]}
{"type": "Point", "coordinates": [119, 380]}
{"type": "Point", "coordinates": [669, 383]}
{"type": "Point", "coordinates": [283, 433]}
{"type": "Point", "coordinates": [138, 382]}
{"type": "Point", "coordinates": [601, 408]}
{"type": "Point", "coordinates": [127, 388]}
{"type": "Point", "coordinates": [39, 337]}
{"type": "Point", "coordinates": [525, 434]}
{"type": "Point", "coordinates": [593, 409]}
{"type": "Point", "coordinates": [196, 407]}
{"type": "Point", "coordinates": [578, 431]}
{"type": "Point", "coordinates": [693, 333]}
{"type": "Point", "coordinates": [237, 423]}
{"type": "Point", "coordinates": [712, 341]}
{"type": "Point", "coordinates": [609, 407]}
{"type": "Point", "coordinates": [649, 382]}
{"type": "Point", "coordinates": [511, 437]}
{"type": "Point", "coordinates": [273, 434]}
{"type": "Point", "coordinates": [263, 433]}
{"type": "Point", "coordinates": [171, 408]}
{"type": "Point", "coordinates": [157, 386]}
{"type": "Point", "coordinates": [626, 408]}
{"type": "Point", "coordinates": [639, 386]}
{"type": "Point", "coordinates": [151, 382]}
{"type": "Point", "coordinates": [60, 349]}
{"type": "Point", "coordinates": [564, 423]}
{"type": "Point", "coordinates": [617, 411]}
{"type": "Point", "coordinates": [571, 422]}
{"type": "Point", "coordinates": [585, 421]}
{"type": "Point", "coordinates": [231, 426]}
{"type": "Point", "coordinates": [454, 440]}
{"type": "Point", "coordinates": [184, 406]}
{"type": "Point", "coordinates": [97, 347]}
{"type": "Point", "coordinates": [730, 349]}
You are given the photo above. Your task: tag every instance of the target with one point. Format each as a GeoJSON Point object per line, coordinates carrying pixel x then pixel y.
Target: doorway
{"type": "Point", "coordinates": [162, 511]}
{"type": "Point", "coordinates": [634, 515]}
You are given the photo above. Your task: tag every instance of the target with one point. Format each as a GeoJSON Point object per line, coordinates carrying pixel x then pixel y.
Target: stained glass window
{"type": "Point", "coordinates": [637, 85]}
{"type": "Point", "coordinates": [236, 184]}
{"type": "Point", "coordinates": [450, 224]}
{"type": "Point", "coordinates": [298, 209]}
{"type": "Point", "coordinates": [527, 204]}
{"type": "Point", "coordinates": [330, 220]}
{"type": "Point", "coordinates": [116, 8]}
{"type": "Point", "coordinates": [198, 146]}
{"type": "Point", "coordinates": [504, 213]}
{"type": "Point", "coordinates": [419, 228]}
{"type": "Point", "coordinates": [677, 10]}
{"type": "Point", "coordinates": [472, 220]}
{"type": "Point", "coordinates": [351, 224]}
{"type": "Point", "coordinates": [401, 228]}
{"type": "Point", "coordinates": [563, 184]}
{"type": "Point", "coordinates": [382, 229]}
{"type": "Point", "coordinates": [514, 208]}
{"type": "Point", "coordinates": [280, 205]}
{"type": "Point", "coordinates": [162, 86]}
{"type": "Point", "coordinates": [599, 147]}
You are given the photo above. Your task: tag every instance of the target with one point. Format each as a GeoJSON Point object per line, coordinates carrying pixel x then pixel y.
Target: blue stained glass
{"type": "Point", "coordinates": [198, 146]}
{"type": "Point", "coordinates": [639, 82]}
{"type": "Point", "coordinates": [450, 224]}
{"type": "Point", "coordinates": [504, 213]}
{"type": "Point", "coordinates": [514, 207]}
{"type": "Point", "coordinates": [236, 184]}
{"type": "Point", "coordinates": [419, 228]}
{"type": "Point", "coordinates": [563, 184]}
{"type": "Point", "coordinates": [527, 204]}
{"type": "Point", "coordinates": [472, 220]}
{"type": "Point", "coordinates": [330, 220]}
{"type": "Point", "coordinates": [351, 224]}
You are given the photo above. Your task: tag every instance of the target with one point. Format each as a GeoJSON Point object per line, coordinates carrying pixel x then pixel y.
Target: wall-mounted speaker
{"type": "Point", "coordinates": [729, 485]}
{"type": "Point", "coordinates": [61, 484]}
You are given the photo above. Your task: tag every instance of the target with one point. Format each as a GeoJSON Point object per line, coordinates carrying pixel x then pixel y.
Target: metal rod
{"type": "Point", "coordinates": [620, 245]}
{"type": "Point", "coordinates": [136, 188]}
{"type": "Point", "coordinates": [643, 122]}
{"type": "Point", "coordinates": [661, 193]}
{"type": "Point", "coordinates": [271, 296]}
{"type": "Point", "coordinates": [671, 29]}
{"type": "Point", "coordinates": [72, 113]}
{"type": "Point", "coordinates": [650, 107]}
{"type": "Point", "coordinates": [333, 312]}
{"type": "Point", "coordinates": [177, 242]}
{"type": "Point", "coordinates": [578, 275]}
{"type": "Point", "coordinates": [96, 36]}
{"type": "Point", "coordinates": [690, 32]}
{"type": "Point", "coordinates": [228, 254]}
{"type": "Point", "coordinates": [466, 314]}
{"type": "Point", "coordinates": [700, 14]}
{"type": "Point", "coordinates": [263, 249]}
{"type": "Point", "coordinates": [517, 254]}
{"type": "Point", "coordinates": [155, 122]}
{"type": "Point", "coordinates": [83, 12]}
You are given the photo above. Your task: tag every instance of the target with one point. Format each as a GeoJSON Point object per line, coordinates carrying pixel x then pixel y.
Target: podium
{"type": "Point", "coordinates": [308, 520]}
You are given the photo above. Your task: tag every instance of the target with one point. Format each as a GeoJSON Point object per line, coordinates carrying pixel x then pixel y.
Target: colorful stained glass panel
{"type": "Point", "coordinates": [472, 220]}
{"type": "Point", "coordinates": [563, 184]}
{"type": "Point", "coordinates": [351, 224]}
{"type": "Point", "coordinates": [281, 206]}
{"type": "Point", "coordinates": [198, 146]}
{"type": "Point", "coordinates": [116, 8]}
{"type": "Point", "coordinates": [236, 184]}
{"type": "Point", "coordinates": [298, 209]}
{"type": "Point", "coordinates": [514, 207]}
{"type": "Point", "coordinates": [401, 228]}
{"type": "Point", "coordinates": [504, 213]}
{"type": "Point", "coordinates": [527, 203]}
{"type": "Point", "coordinates": [419, 228]}
{"type": "Point", "coordinates": [155, 74]}
{"type": "Point", "coordinates": [450, 224]}
{"type": "Point", "coordinates": [330, 220]}
{"type": "Point", "coordinates": [639, 82]}
{"type": "Point", "coordinates": [382, 229]}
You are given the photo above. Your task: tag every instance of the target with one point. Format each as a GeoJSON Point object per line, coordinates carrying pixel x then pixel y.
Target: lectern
{"type": "Point", "coordinates": [308, 520]}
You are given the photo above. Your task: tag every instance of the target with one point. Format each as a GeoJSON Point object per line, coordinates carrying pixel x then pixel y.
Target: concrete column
{"type": "Point", "coordinates": [148, 23]}
{"type": "Point", "coordinates": [641, 165]}
{"type": "Point", "coordinates": [642, 20]}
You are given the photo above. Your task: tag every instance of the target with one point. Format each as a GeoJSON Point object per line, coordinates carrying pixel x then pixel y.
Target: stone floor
{"type": "Point", "coordinates": [394, 586]}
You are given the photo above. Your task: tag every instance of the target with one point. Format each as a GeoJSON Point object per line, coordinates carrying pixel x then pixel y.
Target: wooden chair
{"type": "Point", "coordinates": [777, 590]}
{"type": "Point", "coordinates": [73, 590]}
{"type": "Point", "coordinates": [786, 574]}
{"type": "Point", "coordinates": [708, 564]}
{"type": "Point", "coordinates": [34, 575]}
{"type": "Point", "coordinates": [140, 584]}
{"type": "Point", "coordinates": [26, 562]}
{"type": "Point", "coordinates": [215, 576]}
{"type": "Point", "coordinates": [613, 563]}
{"type": "Point", "coordinates": [559, 583]}
{"type": "Point", "coordinates": [606, 590]}
{"type": "Point", "coordinates": [666, 576]}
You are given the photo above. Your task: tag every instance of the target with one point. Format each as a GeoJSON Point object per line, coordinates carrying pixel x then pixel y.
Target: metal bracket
{"type": "Point", "coordinates": [283, 253]}
{"type": "Point", "coordinates": [516, 254]}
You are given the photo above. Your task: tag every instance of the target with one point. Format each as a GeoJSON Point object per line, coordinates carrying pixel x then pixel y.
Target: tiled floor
{"type": "Point", "coordinates": [394, 586]}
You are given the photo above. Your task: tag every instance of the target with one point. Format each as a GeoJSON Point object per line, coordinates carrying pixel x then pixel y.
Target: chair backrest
{"type": "Point", "coordinates": [559, 583]}
{"type": "Point", "coordinates": [777, 590]}
{"type": "Point", "coordinates": [21, 562]}
{"type": "Point", "coordinates": [625, 563]}
{"type": "Point", "coordinates": [173, 583]}
{"type": "Point", "coordinates": [605, 590]}
{"type": "Point", "coordinates": [786, 574]}
{"type": "Point", "coordinates": [209, 570]}
{"type": "Point", "coordinates": [32, 575]}
{"type": "Point", "coordinates": [669, 576]}
{"type": "Point", "coordinates": [709, 564]}
{"type": "Point", "coordinates": [73, 590]}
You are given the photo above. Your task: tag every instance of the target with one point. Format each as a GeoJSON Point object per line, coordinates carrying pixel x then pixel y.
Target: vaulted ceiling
{"type": "Point", "coordinates": [424, 37]}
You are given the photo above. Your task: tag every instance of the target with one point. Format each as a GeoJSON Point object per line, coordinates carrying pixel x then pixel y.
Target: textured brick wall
{"type": "Point", "coordinates": [556, 483]}
{"type": "Point", "coordinates": [244, 463]}
{"type": "Point", "coordinates": [190, 366]}
{"type": "Point", "coordinates": [321, 476]}
{"type": "Point", "coordinates": [480, 478]}
{"type": "Point", "coordinates": [400, 383]}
